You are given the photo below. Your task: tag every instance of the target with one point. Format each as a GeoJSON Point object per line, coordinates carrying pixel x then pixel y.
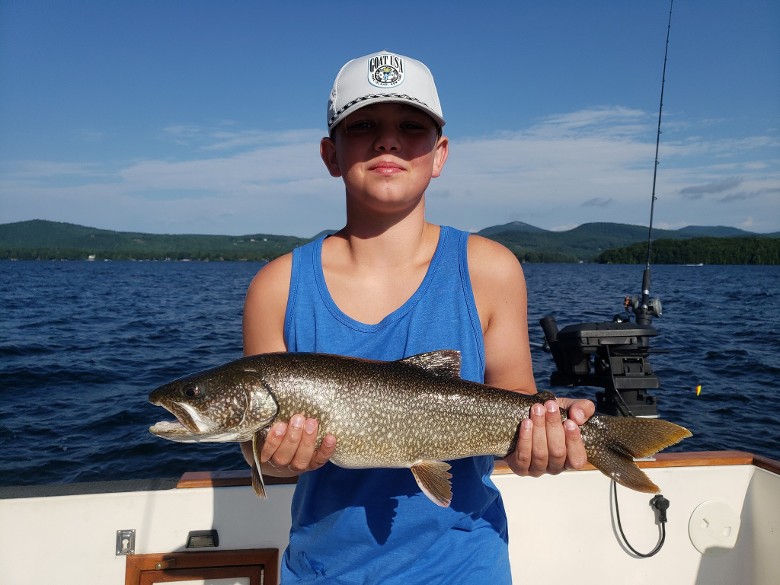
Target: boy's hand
{"type": "Point", "coordinates": [291, 448]}
{"type": "Point", "coordinates": [546, 444]}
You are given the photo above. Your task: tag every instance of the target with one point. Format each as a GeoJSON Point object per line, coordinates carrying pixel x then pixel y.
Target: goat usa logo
{"type": "Point", "coordinates": [385, 70]}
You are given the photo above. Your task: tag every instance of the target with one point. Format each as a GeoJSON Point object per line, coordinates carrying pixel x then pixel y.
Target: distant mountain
{"type": "Point", "coordinates": [40, 239]}
{"type": "Point", "coordinates": [697, 231]}
{"type": "Point", "coordinates": [585, 242]}
{"type": "Point", "coordinates": [515, 226]}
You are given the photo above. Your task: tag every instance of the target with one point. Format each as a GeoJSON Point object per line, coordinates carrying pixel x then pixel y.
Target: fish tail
{"type": "Point", "coordinates": [613, 442]}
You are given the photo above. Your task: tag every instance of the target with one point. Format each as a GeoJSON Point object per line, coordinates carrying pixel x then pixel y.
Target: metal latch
{"type": "Point", "coordinates": [125, 542]}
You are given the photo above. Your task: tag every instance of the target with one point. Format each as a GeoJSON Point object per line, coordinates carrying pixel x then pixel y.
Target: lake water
{"type": "Point", "coordinates": [83, 343]}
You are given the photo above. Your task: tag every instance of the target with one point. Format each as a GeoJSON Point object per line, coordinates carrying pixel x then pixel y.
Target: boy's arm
{"type": "Point", "coordinates": [545, 443]}
{"type": "Point", "coordinates": [290, 447]}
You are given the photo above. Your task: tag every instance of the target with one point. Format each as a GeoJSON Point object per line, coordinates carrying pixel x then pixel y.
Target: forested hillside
{"type": "Point", "coordinates": [743, 250]}
{"type": "Point", "coordinates": [47, 240]}
{"type": "Point", "coordinates": [601, 242]}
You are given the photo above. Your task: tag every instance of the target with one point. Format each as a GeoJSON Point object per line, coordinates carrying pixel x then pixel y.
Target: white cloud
{"type": "Point", "coordinates": [712, 187]}
{"type": "Point", "coordinates": [568, 169]}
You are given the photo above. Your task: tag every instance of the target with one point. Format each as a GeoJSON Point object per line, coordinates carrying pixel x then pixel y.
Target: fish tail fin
{"type": "Point", "coordinates": [612, 443]}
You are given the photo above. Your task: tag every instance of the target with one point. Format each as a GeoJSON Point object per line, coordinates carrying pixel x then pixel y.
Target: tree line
{"type": "Point", "coordinates": [743, 250]}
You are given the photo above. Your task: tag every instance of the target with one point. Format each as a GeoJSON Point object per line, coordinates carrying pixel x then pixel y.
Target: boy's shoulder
{"type": "Point", "coordinates": [492, 264]}
{"type": "Point", "coordinates": [486, 251]}
{"type": "Point", "coordinates": [273, 278]}
{"type": "Point", "coordinates": [265, 305]}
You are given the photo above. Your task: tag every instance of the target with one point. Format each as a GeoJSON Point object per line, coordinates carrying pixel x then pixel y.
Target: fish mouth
{"type": "Point", "coordinates": [167, 428]}
{"type": "Point", "coordinates": [175, 431]}
{"type": "Point", "coordinates": [187, 422]}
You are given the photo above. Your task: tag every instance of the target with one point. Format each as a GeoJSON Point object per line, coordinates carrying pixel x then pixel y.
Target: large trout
{"type": "Point", "coordinates": [415, 413]}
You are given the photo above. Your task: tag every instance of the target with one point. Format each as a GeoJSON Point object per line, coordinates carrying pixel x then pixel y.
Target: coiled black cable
{"type": "Point", "coordinates": [660, 504]}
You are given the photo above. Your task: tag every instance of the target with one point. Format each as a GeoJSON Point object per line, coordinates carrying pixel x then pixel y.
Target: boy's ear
{"type": "Point", "coordinates": [441, 151]}
{"type": "Point", "coordinates": [328, 155]}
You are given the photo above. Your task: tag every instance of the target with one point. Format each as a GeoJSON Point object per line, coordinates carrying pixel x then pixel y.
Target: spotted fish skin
{"type": "Point", "coordinates": [415, 413]}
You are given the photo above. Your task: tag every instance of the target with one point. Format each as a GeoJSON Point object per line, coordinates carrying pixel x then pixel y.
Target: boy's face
{"type": "Point", "coordinates": [386, 154]}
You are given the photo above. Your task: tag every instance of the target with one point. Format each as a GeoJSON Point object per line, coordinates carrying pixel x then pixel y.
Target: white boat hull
{"type": "Point", "coordinates": [562, 528]}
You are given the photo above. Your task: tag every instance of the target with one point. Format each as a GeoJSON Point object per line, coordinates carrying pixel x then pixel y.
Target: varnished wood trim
{"type": "Point", "coordinates": [687, 459]}
{"type": "Point", "coordinates": [683, 459]}
{"type": "Point", "coordinates": [190, 565]}
{"type": "Point", "coordinates": [772, 465]}
{"type": "Point", "coordinates": [197, 479]}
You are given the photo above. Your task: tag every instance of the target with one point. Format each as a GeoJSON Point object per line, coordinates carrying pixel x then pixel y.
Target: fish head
{"type": "Point", "coordinates": [222, 404]}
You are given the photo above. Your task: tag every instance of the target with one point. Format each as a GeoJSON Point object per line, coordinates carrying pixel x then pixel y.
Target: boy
{"type": "Point", "coordinates": [390, 285]}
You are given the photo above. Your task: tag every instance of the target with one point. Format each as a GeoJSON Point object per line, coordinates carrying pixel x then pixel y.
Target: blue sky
{"type": "Point", "coordinates": [205, 117]}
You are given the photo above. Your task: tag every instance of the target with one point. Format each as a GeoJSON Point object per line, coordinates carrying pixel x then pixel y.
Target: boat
{"type": "Point", "coordinates": [722, 528]}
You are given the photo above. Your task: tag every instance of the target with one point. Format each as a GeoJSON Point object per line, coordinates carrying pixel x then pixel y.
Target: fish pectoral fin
{"type": "Point", "coordinates": [433, 477]}
{"type": "Point", "coordinates": [257, 475]}
{"type": "Point", "coordinates": [257, 483]}
{"type": "Point", "coordinates": [442, 362]}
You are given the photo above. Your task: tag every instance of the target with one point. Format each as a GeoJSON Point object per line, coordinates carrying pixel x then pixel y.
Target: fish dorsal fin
{"type": "Point", "coordinates": [257, 475]}
{"type": "Point", "coordinates": [433, 477]}
{"type": "Point", "coordinates": [443, 362]}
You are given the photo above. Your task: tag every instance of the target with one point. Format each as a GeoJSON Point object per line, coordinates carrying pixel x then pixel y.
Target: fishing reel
{"type": "Point", "coordinates": [635, 304]}
{"type": "Point", "coordinates": [610, 355]}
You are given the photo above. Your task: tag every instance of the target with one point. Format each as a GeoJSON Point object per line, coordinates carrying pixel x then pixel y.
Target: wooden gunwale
{"type": "Point", "coordinates": [199, 479]}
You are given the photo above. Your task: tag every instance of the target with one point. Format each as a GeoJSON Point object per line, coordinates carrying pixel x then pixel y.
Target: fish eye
{"type": "Point", "coordinates": [191, 391]}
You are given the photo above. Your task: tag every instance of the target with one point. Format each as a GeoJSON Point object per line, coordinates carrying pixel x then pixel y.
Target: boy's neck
{"type": "Point", "coordinates": [387, 242]}
{"type": "Point", "coordinates": [370, 274]}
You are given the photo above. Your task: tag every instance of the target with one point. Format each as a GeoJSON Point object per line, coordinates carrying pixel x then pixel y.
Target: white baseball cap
{"type": "Point", "coordinates": [379, 78]}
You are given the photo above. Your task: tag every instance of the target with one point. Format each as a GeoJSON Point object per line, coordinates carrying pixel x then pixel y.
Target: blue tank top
{"type": "Point", "coordinates": [375, 526]}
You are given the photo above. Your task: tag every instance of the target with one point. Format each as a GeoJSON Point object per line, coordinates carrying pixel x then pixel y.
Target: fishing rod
{"type": "Point", "coordinates": [614, 355]}
{"type": "Point", "coordinates": [646, 307]}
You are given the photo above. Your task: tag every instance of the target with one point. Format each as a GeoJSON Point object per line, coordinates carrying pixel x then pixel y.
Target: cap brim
{"type": "Point", "coordinates": [383, 99]}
